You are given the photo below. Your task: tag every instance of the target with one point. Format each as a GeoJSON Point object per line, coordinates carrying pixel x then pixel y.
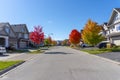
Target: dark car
{"type": "Point", "coordinates": [104, 44]}
{"type": "Point", "coordinates": [83, 45]}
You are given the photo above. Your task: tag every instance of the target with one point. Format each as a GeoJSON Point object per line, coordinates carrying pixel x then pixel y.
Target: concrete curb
{"type": "Point", "coordinates": [103, 58]}
{"type": "Point", "coordinates": [9, 68]}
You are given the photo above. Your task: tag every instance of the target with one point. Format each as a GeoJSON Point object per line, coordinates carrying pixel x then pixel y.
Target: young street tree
{"type": "Point", "coordinates": [90, 33]}
{"type": "Point", "coordinates": [66, 42]}
{"type": "Point", "coordinates": [48, 41]}
{"type": "Point", "coordinates": [74, 37]}
{"type": "Point", "coordinates": [37, 36]}
{"type": "Point", "coordinates": [54, 43]}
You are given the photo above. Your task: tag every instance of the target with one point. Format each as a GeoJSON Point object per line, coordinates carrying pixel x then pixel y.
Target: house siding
{"type": "Point", "coordinates": [13, 42]}
{"type": "Point", "coordinates": [113, 25]}
{"type": "Point", "coordinates": [11, 34]}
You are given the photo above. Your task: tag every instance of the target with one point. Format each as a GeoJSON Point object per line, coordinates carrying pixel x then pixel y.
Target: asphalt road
{"type": "Point", "coordinates": [62, 63]}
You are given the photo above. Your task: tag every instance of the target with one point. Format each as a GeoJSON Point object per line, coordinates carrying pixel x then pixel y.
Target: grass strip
{"type": "Point", "coordinates": [94, 51]}
{"type": "Point", "coordinates": [36, 51]}
{"type": "Point", "coordinates": [99, 51]}
{"type": "Point", "coordinates": [6, 64]}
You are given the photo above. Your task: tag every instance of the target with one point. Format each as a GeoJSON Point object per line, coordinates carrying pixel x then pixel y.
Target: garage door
{"type": "Point", "coordinates": [116, 42]}
{"type": "Point", "coordinates": [22, 44]}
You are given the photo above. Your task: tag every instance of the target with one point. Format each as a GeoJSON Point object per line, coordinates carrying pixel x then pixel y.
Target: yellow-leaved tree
{"type": "Point", "coordinates": [91, 33]}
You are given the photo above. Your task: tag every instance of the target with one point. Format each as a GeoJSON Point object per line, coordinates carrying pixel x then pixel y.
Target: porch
{"type": "Point", "coordinates": [4, 41]}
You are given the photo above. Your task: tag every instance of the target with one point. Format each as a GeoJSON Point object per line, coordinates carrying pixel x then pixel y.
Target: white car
{"type": "Point", "coordinates": [2, 50]}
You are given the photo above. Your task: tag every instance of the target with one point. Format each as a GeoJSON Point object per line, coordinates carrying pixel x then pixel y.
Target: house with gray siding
{"type": "Point", "coordinates": [16, 35]}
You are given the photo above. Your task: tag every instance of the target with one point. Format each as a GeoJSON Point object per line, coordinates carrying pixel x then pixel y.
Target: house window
{"type": "Point", "coordinates": [20, 35]}
{"type": "Point", "coordinates": [117, 17]}
{"type": "Point", "coordinates": [118, 28]}
{"type": "Point", "coordinates": [25, 36]}
{"type": "Point", "coordinates": [22, 30]}
{"type": "Point", "coordinates": [7, 30]}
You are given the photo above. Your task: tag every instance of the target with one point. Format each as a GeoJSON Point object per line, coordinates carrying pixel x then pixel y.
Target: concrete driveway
{"type": "Point", "coordinates": [61, 63]}
{"type": "Point", "coordinates": [111, 55]}
{"type": "Point", "coordinates": [8, 56]}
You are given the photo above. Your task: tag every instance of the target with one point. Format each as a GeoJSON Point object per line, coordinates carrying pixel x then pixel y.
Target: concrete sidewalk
{"type": "Point", "coordinates": [17, 56]}
{"type": "Point", "coordinates": [8, 55]}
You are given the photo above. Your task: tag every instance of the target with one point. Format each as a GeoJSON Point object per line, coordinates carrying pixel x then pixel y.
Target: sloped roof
{"type": "Point", "coordinates": [1, 26]}
{"type": "Point", "coordinates": [3, 32]}
{"type": "Point", "coordinates": [19, 27]}
{"type": "Point", "coordinates": [118, 9]}
{"type": "Point", "coordinates": [114, 12]}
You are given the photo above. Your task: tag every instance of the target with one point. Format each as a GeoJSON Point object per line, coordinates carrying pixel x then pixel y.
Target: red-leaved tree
{"type": "Point", "coordinates": [37, 36]}
{"type": "Point", "coordinates": [74, 37]}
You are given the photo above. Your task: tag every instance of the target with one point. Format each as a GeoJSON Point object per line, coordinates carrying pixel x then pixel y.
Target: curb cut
{"type": "Point", "coordinates": [9, 68]}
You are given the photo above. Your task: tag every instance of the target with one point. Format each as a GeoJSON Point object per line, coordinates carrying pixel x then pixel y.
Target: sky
{"type": "Point", "coordinates": [57, 17]}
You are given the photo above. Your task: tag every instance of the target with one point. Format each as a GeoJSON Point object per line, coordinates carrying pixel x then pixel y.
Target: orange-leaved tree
{"type": "Point", "coordinates": [50, 40]}
{"type": "Point", "coordinates": [91, 33]}
{"type": "Point", "coordinates": [75, 37]}
{"type": "Point", "coordinates": [54, 43]}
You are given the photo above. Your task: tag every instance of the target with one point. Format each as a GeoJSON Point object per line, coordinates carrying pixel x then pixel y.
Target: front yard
{"type": "Point", "coordinates": [99, 51]}
{"type": "Point", "coordinates": [30, 51]}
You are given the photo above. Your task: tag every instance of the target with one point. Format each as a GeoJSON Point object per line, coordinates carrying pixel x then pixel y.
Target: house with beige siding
{"type": "Point", "coordinates": [16, 35]}
{"type": "Point", "coordinates": [112, 27]}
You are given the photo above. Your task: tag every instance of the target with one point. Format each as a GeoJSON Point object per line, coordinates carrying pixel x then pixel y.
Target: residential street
{"type": "Point", "coordinates": [62, 63]}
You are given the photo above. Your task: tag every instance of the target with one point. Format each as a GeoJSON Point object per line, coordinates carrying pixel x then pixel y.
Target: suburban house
{"type": "Point", "coordinates": [16, 36]}
{"type": "Point", "coordinates": [111, 29]}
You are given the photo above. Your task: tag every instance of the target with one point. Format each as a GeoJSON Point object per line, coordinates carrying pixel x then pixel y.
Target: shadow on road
{"type": "Point", "coordinates": [57, 53]}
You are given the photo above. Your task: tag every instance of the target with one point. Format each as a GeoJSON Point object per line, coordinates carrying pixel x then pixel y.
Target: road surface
{"type": "Point", "coordinates": [62, 63]}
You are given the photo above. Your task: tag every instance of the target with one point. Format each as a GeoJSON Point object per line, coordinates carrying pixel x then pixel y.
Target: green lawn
{"type": "Point", "coordinates": [99, 51]}
{"type": "Point", "coordinates": [31, 51]}
{"type": "Point", "coordinates": [7, 64]}
{"type": "Point", "coordinates": [38, 51]}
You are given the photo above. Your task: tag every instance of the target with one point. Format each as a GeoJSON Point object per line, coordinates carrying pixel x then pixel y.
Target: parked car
{"type": "Point", "coordinates": [84, 45]}
{"type": "Point", "coordinates": [2, 50]}
{"type": "Point", "coordinates": [103, 44]}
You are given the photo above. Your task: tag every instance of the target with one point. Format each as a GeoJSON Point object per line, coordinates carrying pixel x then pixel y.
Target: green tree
{"type": "Point", "coordinates": [48, 41]}
{"type": "Point", "coordinates": [91, 33]}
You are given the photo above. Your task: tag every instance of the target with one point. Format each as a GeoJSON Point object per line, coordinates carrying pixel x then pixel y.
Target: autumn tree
{"type": "Point", "coordinates": [74, 37]}
{"type": "Point", "coordinates": [37, 36]}
{"type": "Point", "coordinates": [48, 41]}
{"type": "Point", "coordinates": [91, 33]}
{"type": "Point", "coordinates": [54, 43]}
{"type": "Point", "coordinates": [65, 42]}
